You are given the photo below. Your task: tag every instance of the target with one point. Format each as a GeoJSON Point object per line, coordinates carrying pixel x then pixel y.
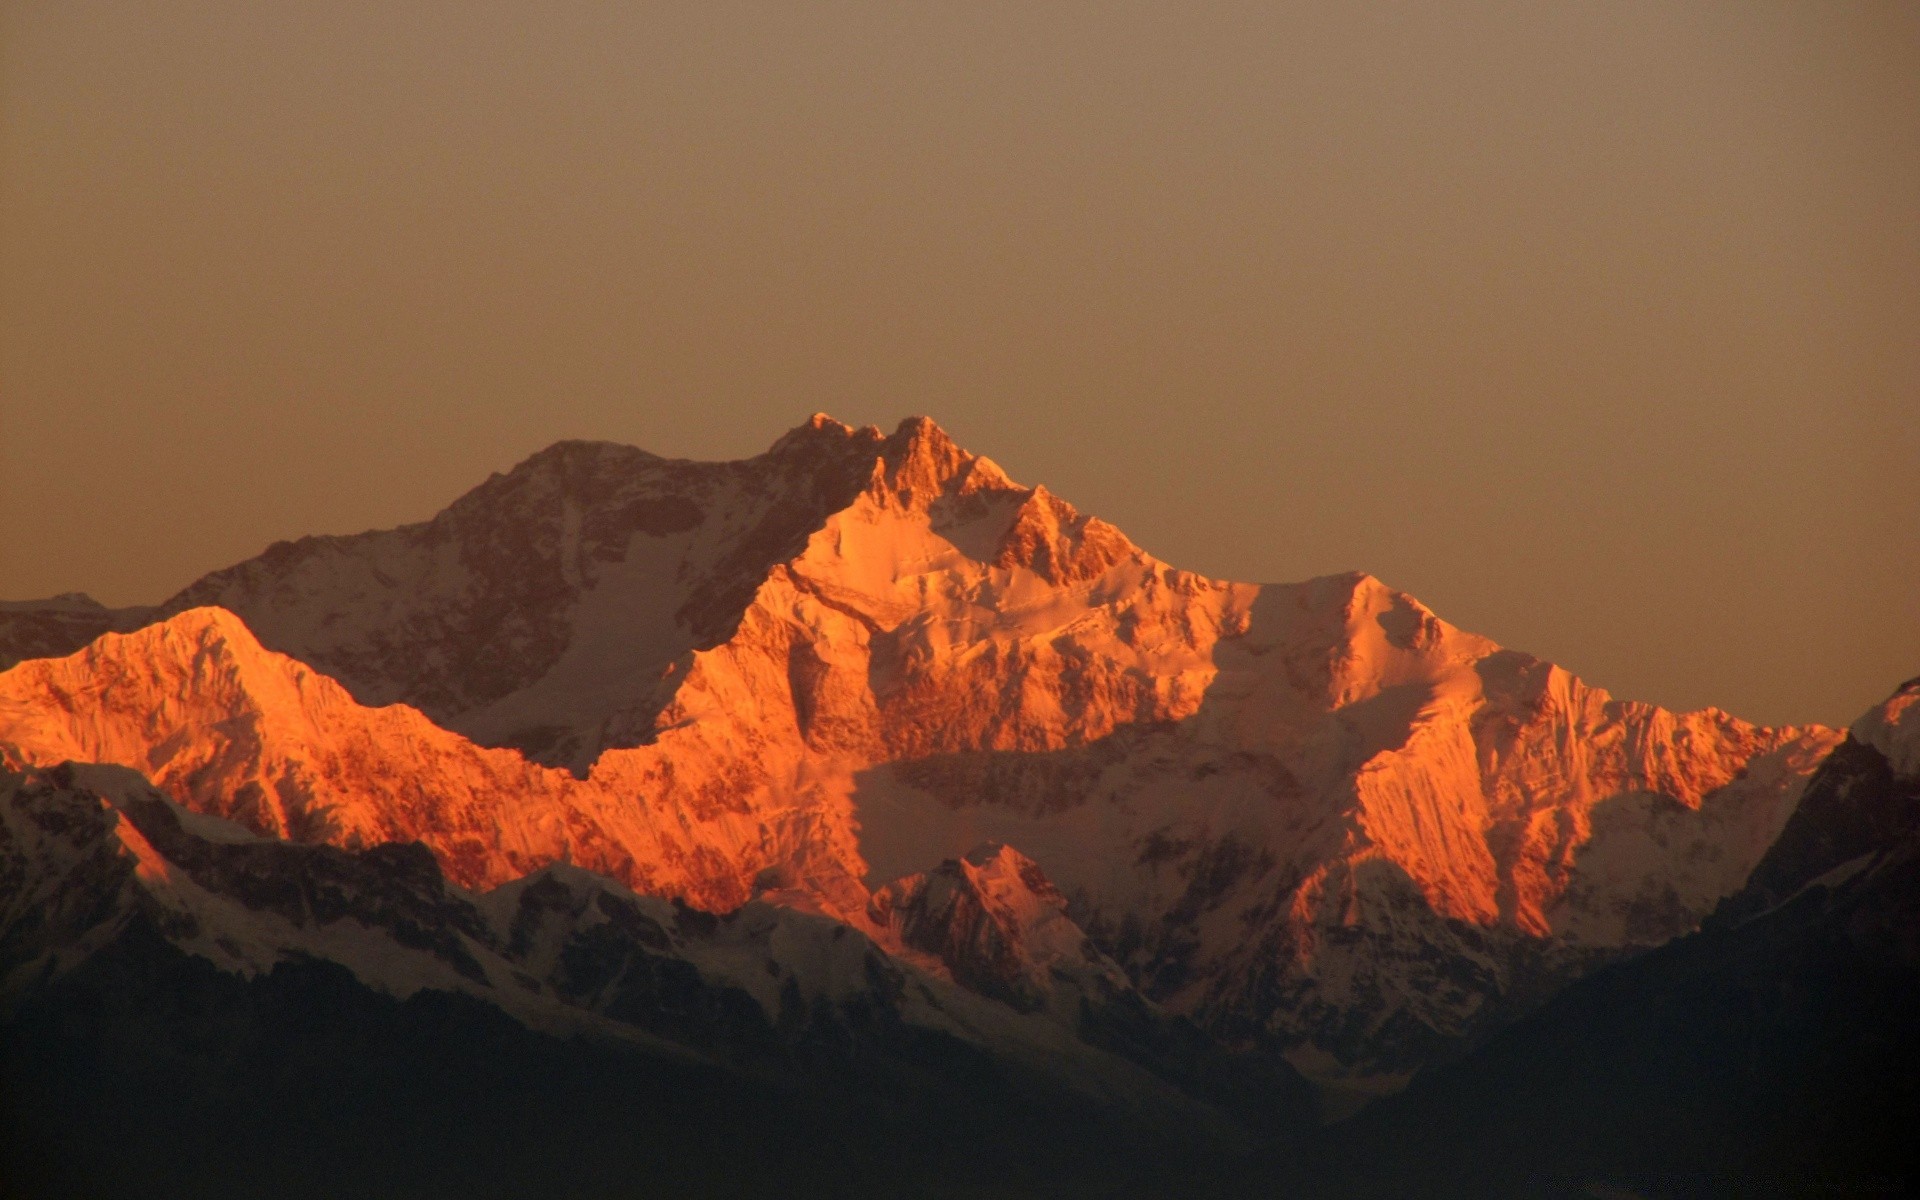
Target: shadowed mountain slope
{"type": "Point", "coordinates": [1775, 1053]}
{"type": "Point", "coordinates": [132, 932]}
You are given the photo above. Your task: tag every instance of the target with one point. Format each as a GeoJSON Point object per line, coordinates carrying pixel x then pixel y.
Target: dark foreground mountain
{"type": "Point", "coordinates": [191, 1010]}
{"type": "Point", "coordinates": [1776, 1053]}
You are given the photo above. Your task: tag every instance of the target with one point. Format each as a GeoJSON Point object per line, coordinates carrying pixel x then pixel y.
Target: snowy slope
{"type": "Point", "coordinates": [240, 732]}
{"type": "Point", "coordinates": [1893, 729]}
{"type": "Point", "coordinates": [86, 849]}
{"type": "Point", "coordinates": [546, 608]}
{"type": "Point", "coordinates": [1314, 817]}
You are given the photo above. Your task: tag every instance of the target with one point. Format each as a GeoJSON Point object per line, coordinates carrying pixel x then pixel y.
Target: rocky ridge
{"type": "Point", "coordinates": [1773, 1052]}
{"type": "Point", "coordinates": [1316, 818]}
{"type": "Point", "coordinates": [87, 851]}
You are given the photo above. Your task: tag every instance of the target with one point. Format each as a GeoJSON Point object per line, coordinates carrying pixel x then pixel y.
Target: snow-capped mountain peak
{"type": "Point", "coordinates": [1315, 817]}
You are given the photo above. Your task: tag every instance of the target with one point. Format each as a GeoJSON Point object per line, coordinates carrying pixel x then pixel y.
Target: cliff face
{"type": "Point", "coordinates": [1316, 818]}
{"type": "Point", "coordinates": [1772, 1052]}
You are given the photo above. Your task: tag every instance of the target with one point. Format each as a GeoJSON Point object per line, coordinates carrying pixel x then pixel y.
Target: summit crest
{"type": "Point", "coordinates": [1316, 819]}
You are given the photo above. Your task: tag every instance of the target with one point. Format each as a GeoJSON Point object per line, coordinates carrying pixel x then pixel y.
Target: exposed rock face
{"type": "Point", "coordinates": [1315, 818]}
{"type": "Point", "coordinates": [1000, 927]}
{"type": "Point", "coordinates": [1772, 1052]}
{"type": "Point", "coordinates": [547, 608]}
{"type": "Point", "coordinates": [240, 732]}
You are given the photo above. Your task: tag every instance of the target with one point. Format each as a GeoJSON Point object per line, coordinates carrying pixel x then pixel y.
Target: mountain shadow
{"type": "Point", "coordinates": [149, 1072]}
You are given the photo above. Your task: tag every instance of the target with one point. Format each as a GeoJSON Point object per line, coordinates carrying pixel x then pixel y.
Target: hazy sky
{"type": "Point", "coordinates": [1595, 326]}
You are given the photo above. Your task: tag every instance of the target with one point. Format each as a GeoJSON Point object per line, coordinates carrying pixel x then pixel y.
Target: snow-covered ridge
{"type": "Point", "coordinates": [232, 729]}
{"type": "Point", "coordinates": [1315, 817]}
{"type": "Point", "coordinates": [87, 850]}
{"type": "Point", "coordinates": [996, 924]}
{"type": "Point", "coordinates": [1893, 729]}
{"type": "Point", "coordinates": [553, 608]}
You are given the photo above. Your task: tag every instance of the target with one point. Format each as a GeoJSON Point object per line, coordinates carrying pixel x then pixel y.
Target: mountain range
{"type": "Point", "coordinates": [857, 769]}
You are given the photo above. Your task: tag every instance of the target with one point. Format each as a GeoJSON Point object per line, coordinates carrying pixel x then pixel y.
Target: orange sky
{"type": "Point", "coordinates": [1596, 327]}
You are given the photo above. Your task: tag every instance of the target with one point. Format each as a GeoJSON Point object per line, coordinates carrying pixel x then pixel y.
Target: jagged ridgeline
{"type": "Point", "coordinates": [1120, 831]}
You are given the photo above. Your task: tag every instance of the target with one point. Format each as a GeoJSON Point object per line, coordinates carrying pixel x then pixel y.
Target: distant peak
{"type": "Point", "coordinates": [998, 855]}
{"type": "Point", "coordinates": [1049, 536]}
{"type": "Point", "coordinates": [1893, 728]}
{"type": "Point", "coordinates": [206, 617]}
{"type": "Point", "coordinates": [1351, 591]}
{"type": "Point", "coordinates": [565, 463]}
{"type": "Point", "coordinates": [64, 602]}
{"type": "Point", "coordinates": [1360, 583]}
{"type": "Point", "coordinates": [574, 449]}
{"type": "Point", "coordinates": [187, 655]}
{"type": "Point", "coordinates": [921, 463]}
{"type": "Point", "coordinates": [919, 446]}
{"type": "Point", "coordinates": [209, 623]}
{"type": "Point", "coordinates": [819, 425]}
{"type": "Point", "coordinates": [821, 433]}
{"type": "Point", "coordinates": [923, 429]}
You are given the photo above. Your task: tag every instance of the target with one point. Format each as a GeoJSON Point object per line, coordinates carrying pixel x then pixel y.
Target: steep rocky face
{"type": "Point", "coordinates": [1773, 1052]}
{"type": "Point", "coordinates": [236, 731]}
{"type": "Point", "coordinates": [1315, 817]}
{"type": "Point", "coordinates": [1000, 928]}
{"type": "Point", "coordinates": [547, 608]}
